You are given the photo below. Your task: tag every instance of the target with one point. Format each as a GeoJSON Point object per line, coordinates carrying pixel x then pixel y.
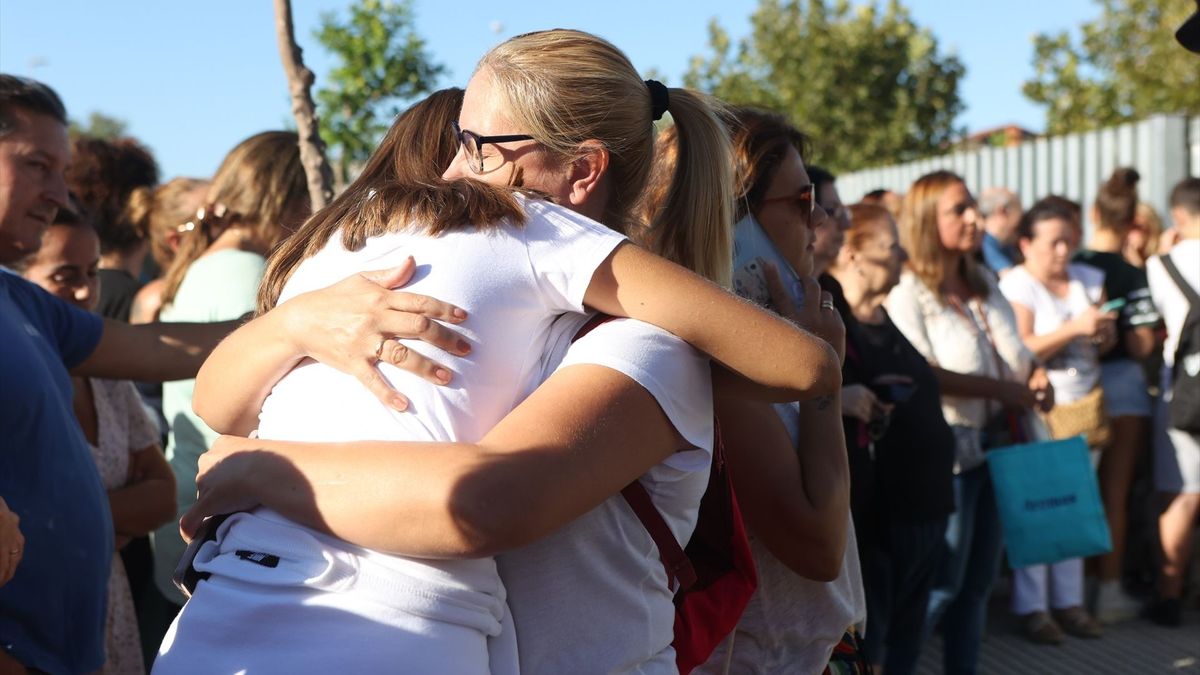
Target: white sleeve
{"type": "Point", "coordinates": [674, 373]}
{"type": "Point", "coordinates": [1017, 286]}
{"type": "Point", "coordinates": [904, 309]}
{"type": "Point", "coordinates": [564, 251]}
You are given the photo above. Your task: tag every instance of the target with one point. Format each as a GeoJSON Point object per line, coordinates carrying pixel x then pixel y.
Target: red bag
{"type": "Point", "coordinates": [715, 577]}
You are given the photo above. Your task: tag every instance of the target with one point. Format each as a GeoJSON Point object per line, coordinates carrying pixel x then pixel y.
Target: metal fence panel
{"type": "Point", "coordinates": [1163, 148]}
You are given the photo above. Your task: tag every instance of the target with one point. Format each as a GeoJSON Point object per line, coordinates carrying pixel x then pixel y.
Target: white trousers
{"type": "Point", "coordinates": [1065, 582]}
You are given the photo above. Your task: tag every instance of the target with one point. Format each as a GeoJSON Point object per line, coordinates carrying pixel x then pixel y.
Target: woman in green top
{"type": "Point", "coordinates": [258, 197]}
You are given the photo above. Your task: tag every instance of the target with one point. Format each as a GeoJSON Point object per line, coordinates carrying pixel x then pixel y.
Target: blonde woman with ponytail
{"type": "Point", "coordinates": [257, 197]}
{"type": "Point", "coordinates": [402, 509]}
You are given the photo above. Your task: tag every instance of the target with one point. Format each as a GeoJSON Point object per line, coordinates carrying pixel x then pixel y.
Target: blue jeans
{"type": "Point", "coordinates": [960, 595]}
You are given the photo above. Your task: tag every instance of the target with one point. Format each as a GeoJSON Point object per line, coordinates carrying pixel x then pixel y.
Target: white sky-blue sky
{"type": "Point", "coordinates": [194, 78]}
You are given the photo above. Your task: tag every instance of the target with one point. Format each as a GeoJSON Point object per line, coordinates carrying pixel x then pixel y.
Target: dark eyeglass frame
{"type": "Point", "coordinates": [479, 141]}
{"type": "Point", "coordinates": [805, 198]}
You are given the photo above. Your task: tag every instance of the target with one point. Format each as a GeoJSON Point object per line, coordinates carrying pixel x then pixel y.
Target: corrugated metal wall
{"type": "Point", "coordinates": [1164, 149]}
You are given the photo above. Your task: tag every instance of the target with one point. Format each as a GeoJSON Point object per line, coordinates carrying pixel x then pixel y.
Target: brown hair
{"type": "Point", "coordinates": [28, 95]}
{"type": "Point", "coordinates": [162, 210]}
{"type": "Point", "coordinates": [866, 220]}
{"type": "Point", "coordinates": [258, 187]}
{"type": "Point", "coordinates": [1116, 202]}
{"type": "Point", "coordinates": [565, 87]}
{"type": "Point", "coordinates": [919, 235]}
{"type": "Point", "coordinates": [102, 174]}
{"type": "Point", "coordinates": [760, 141]}
{"type": "Point", "coordinates": [400, 186]}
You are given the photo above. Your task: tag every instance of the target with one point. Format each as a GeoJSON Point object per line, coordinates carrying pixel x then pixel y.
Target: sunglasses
{"type": "Point", "coordinates": [472, 146]}
{"type": "Point", "coordinates": [802, 200]}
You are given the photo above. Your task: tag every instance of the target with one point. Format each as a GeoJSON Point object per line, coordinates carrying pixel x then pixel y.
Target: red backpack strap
{"type": "Point", "coordinates": [680, 573]}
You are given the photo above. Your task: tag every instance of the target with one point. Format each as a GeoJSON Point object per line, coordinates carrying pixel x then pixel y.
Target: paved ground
{"type": "Point", "coordinates": [1131, 648]}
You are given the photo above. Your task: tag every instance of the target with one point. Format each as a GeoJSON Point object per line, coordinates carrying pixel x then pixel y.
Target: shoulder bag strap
{"type": "Point", "coordinates": [1184, 287]}
{"type": "Point", "coordinates": [680, 573]}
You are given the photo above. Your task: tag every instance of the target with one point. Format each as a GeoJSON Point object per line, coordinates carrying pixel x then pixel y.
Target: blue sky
{"type": "Point", "coordinates": [194, 78]}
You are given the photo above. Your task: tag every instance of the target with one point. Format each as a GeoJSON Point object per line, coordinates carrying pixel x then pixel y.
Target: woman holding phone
{"type": "Point", "coordinates": [1060, 317]}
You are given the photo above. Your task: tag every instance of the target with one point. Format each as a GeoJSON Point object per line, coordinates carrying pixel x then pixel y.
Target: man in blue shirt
{"type": "Point", "coordinates": [52, 611]}
{"type": "Point", "coordinates": [1001, 211]}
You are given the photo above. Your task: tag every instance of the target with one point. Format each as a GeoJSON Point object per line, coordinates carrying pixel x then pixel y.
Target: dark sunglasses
{"type": "Point", "coordinates": [472, 145]}
{"type": "Point", "coordinates": [802, 200]}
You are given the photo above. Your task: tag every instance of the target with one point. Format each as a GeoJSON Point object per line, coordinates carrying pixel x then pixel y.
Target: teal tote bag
{"type": "Point", "coordinates": [1049, 502]}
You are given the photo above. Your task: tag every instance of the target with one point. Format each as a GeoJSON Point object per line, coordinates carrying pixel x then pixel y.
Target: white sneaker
{"type": "Point", "coordinates": [1113, 604]}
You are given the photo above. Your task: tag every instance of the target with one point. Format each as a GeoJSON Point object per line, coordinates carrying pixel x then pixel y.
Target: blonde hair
{"type": "Point", "coordinates": [920, 239]}
{"type": "Point", "coordinates": [565, 87]}
{"type": "Point", "coordinates": [1154, 229]}
{"type": "Point", "coordinates": [162, 210]}
{"type": "Point", "coordinates": [259, 185]}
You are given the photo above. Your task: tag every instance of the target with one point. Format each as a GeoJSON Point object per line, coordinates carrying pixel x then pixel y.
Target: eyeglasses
{"type": "Point", "coordinates": [472, 146]}
{"type": "Point", "coordinates": [802, 200]}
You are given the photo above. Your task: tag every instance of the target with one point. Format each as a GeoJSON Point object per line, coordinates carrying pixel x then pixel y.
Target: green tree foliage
{"type": "Point", "coordinates": [869, 86]}
{"type": "Point", "coordinates": [382, 63]}
{"type": "Point", "coordinates": [100, 126]}
{"type": "Point", "coordinates": [1127, 65]}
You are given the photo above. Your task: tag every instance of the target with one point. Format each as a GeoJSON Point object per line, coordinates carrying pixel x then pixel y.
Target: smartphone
{"type": "Point", "coordinates": [1112, 305]}
{"type": "Point", "coordinates": [894, 392]}
{"type": "Point", "coordinates": [752, 251]}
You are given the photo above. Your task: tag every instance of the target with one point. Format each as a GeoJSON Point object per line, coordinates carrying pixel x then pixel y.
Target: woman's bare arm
{"type": "Point", "coordinates": [797, 501]}
{"type": "Point", "coordinates": [577, 440]}
{"type": "Point", "coordinates": [340, 326]}
{"type": "Point", "coordinates": [786, 362]}
{"type": "Point", "coordinates": [148, 500]}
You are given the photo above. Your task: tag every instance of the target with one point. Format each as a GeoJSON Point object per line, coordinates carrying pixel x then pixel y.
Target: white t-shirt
{"type": "Point", "coordinates": [1171, 302]}
{"type": "Point", "coordinates": [1075, 369]}
{"type": "Point", "coordinates": [513, 281]}
{"type": "Point", "coordinates": [592, 597]}
{"type": "Point", "coordinates": [949, 340]}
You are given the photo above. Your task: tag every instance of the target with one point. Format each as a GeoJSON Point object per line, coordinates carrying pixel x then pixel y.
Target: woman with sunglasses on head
{"type": "Point", "coordinates": [902, 450]}
{"type": "Point", "coordinates": [478, 491]}
{"type": "Point", "coordinates": [952, 312]}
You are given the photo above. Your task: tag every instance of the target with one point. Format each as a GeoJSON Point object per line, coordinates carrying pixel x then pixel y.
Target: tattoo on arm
{"type": "Point", "coordinates": [824, 402]}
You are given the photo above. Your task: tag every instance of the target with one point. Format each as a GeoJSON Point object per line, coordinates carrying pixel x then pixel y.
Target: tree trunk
{"type": "Point", "coordinates": [300, 79]}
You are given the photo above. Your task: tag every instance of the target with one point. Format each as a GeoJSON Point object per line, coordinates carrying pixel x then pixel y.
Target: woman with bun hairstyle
{"type": "Point", "coordinates": [493, 479]}
{"type": "Point", "coordinates": [102, 175]}
{"type": "Point", "coordinates": [1122, 376]}
{"type": "Point", "coordinates": [257, 198]}
{"type": "Point", "coordinates": [165, 213]}
{"type": "Point", "coordinates": [952, 312]}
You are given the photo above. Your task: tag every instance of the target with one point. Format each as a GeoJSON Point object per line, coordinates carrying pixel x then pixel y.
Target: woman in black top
{"type": "Point", "coordinates": [901, 449]}
{"type": "Point", "coordinates": [1126, 394]}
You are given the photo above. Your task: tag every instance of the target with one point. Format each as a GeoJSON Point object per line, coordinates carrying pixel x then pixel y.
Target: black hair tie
{"type": "Point", "coordinates": [660, 100]}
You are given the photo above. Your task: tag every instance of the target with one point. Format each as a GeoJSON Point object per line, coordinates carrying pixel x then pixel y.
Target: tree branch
{"type": "Point", "coordinates": [300, 80]}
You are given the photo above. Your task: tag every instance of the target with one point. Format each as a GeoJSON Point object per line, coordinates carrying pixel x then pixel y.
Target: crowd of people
{"type": "Point", "coordinates": [465, 418]}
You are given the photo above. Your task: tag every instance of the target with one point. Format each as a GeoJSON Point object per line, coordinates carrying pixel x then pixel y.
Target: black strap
{"type": "Point", "coordinates": [1184, 287]}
